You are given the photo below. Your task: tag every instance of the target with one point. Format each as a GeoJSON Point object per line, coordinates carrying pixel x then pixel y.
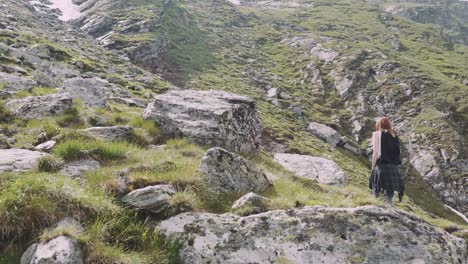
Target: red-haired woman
{"type": "Point", "coordinates": [385, 161]}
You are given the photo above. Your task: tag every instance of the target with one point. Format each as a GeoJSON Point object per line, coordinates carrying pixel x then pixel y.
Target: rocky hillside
{"type": "Point", "coordinates": [229, 131]}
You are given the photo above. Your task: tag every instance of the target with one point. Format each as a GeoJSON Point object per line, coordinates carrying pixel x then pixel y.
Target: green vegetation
{"type": "Point", "coordinates": [35, 91]}
{"type": "Point", "coordinates": [49, 164]}
{"type": "Point", "coordinates": [100, 150]}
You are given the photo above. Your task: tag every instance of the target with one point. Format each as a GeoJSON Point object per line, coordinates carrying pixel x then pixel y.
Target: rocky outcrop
{"type": "Point", "coordinates": [14, 84]}
{"type": "Point", "coordinates": [154, 199]}
{"type": "Point", "coordinates": [213, 118]}
{"type": "Point", "coordinates": [226, 172]}
{"type": "Point", "coordinates": [92, 92]}
{"type": "Point", "coordinates": [315, 168]}
{"type": "Point", "coordinates": [313, 235]}
{"type": "Point", "coordinates": [40, 106]}
{"type": "Point", "coordinates": [252, 201]}
{"type": "Point", "coordinates": [114, 133]}
{"type": "Point", "coordinates": [19, 159]}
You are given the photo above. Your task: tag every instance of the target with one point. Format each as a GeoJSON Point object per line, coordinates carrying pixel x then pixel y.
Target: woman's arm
{"type": "Point", "coordinates": [375, 148]}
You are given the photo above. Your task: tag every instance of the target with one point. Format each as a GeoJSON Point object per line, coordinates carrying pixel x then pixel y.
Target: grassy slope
{"type": "Point", "coordinates": [229, 38]}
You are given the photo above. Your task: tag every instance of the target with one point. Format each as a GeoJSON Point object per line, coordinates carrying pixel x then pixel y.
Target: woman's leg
{"type": "Point", "coordinates": [389, 196]}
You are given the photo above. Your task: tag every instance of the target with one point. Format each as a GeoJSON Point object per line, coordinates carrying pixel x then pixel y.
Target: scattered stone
{"type": "Point", "coordinates": [321, 234]}
{"type": "Point", "coordinates": [19, 159]}
{"type": "Point", "coordinates": [257, 203]}
{"type": "Point", "coordinates": [59, 250]}
{"type": "Point", "coordinates": [315, 168]}
{"type": "Point", "coordinates": [226, 172]}
{"type": "Point", "coordinates": [154, 199]}
{"type": "Point", "coordinates": [47, 146]}
{"type": "Point", "coordinates": [40, 106]}
{"type": "Point", "coordinates": [326, 133]}
{"type": "Point", "coordinates": [213, 118]}
{"type": "Point", "coordinates": [78, 168]}
{"type": "Point", "coordinates": [114, 133]}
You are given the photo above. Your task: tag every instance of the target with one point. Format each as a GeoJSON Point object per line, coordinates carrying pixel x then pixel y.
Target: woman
{"type": "Point", "coordinates": [385, 161]}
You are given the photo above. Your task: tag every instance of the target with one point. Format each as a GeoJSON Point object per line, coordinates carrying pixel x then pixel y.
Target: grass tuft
{"type": "Point", "coordinates": [101, 150]}
{"type": "Point", "coordinates": [49, 164]}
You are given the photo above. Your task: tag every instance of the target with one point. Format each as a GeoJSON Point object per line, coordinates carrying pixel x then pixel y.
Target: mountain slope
{"type": "Point", "coordinates": [338, 63]}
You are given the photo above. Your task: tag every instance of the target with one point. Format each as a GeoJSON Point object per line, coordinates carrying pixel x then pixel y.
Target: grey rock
{"type": "Point", "coordinates": [40, 106]}
{"type": "Point", "coordinates": [213, 118]}
{"type": "Point", "coordinates": [352, 148]}
{"type": "Point", "coordinates": [19, 159]}
{"type": "Point", "coordinates": [113, 133]}
{"type": "Point", "coordinates": [226, 172]}
{"type": "Point", "coordinates": [47, 146]}
{"type": "Point", "coordinates": [326, 133]}
{"type": "Point", "coordinates": [93, 92]}
{"type": "Point", "coordinates": [152, 198]}
{"type": "Point", "coordinates": [79, 167]}
{"type": "Point", "coordinates": [252, 200]}
{"type": "Point", "coordinates": [312, 235]}
{"type": "Point", "coordinates": [315, 168]}
{"type": "Point", "coordinates": [13, 83]}
{"type": "Point", "coordinates": [59, 250]}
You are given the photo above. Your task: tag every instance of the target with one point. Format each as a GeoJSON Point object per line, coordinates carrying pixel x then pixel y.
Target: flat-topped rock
{"type": "Point", "coordinates": [227, 172]}
{"type": "Point", "coordinates": [314, 168]}
{"type": "Point", "coordinates": [19, 159]}
{"type": "Point", "coordinates": [213, 118]}
{"type": "Point", "coordinates": [365, 234]}
{"type": "Point", "coordinates": [113, 133]}
{"type": "Point", "coordinates": [154, 199]}
{"type": "Point", "coordinates": [40, 106]}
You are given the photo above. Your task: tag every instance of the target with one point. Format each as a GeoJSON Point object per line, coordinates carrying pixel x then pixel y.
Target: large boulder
{"type": "Point", "coordinates": [19, 159]}
{"type": "Point", "coordinates": [93, 92]}
{"type": "Point", "coordinates": [225, 172]}
{"type": "Point", "coordinates": [40, 106]}
{"type": "Point", "coordinates": [114, 133]}
{"type": "Point", "coordinates": [313, 235]}
{"type": "Point", "coordinates": [213, 118]}
{"type": "Point", "coordinates": [326, 133]}
{"type": "Point", "coordinates": [154, 199]}
{"type": "Point", "coordinates": [315, 168]}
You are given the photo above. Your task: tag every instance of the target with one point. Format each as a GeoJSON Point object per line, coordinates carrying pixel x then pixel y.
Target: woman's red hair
{"type": "Point", "coordinates": [384, 123]}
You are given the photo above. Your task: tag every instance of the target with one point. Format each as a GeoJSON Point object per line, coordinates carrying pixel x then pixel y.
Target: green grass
{"type": "Point", "coordinates": [176, 163]}
{"type": "Point", "coordinates": [36, 91]}
{"type": "Point", "coordinates": [49, 164]}
{"type": "Point", "coordinates": [32, 201]}
{"type": "Point", "coordinates": [100, 150]}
